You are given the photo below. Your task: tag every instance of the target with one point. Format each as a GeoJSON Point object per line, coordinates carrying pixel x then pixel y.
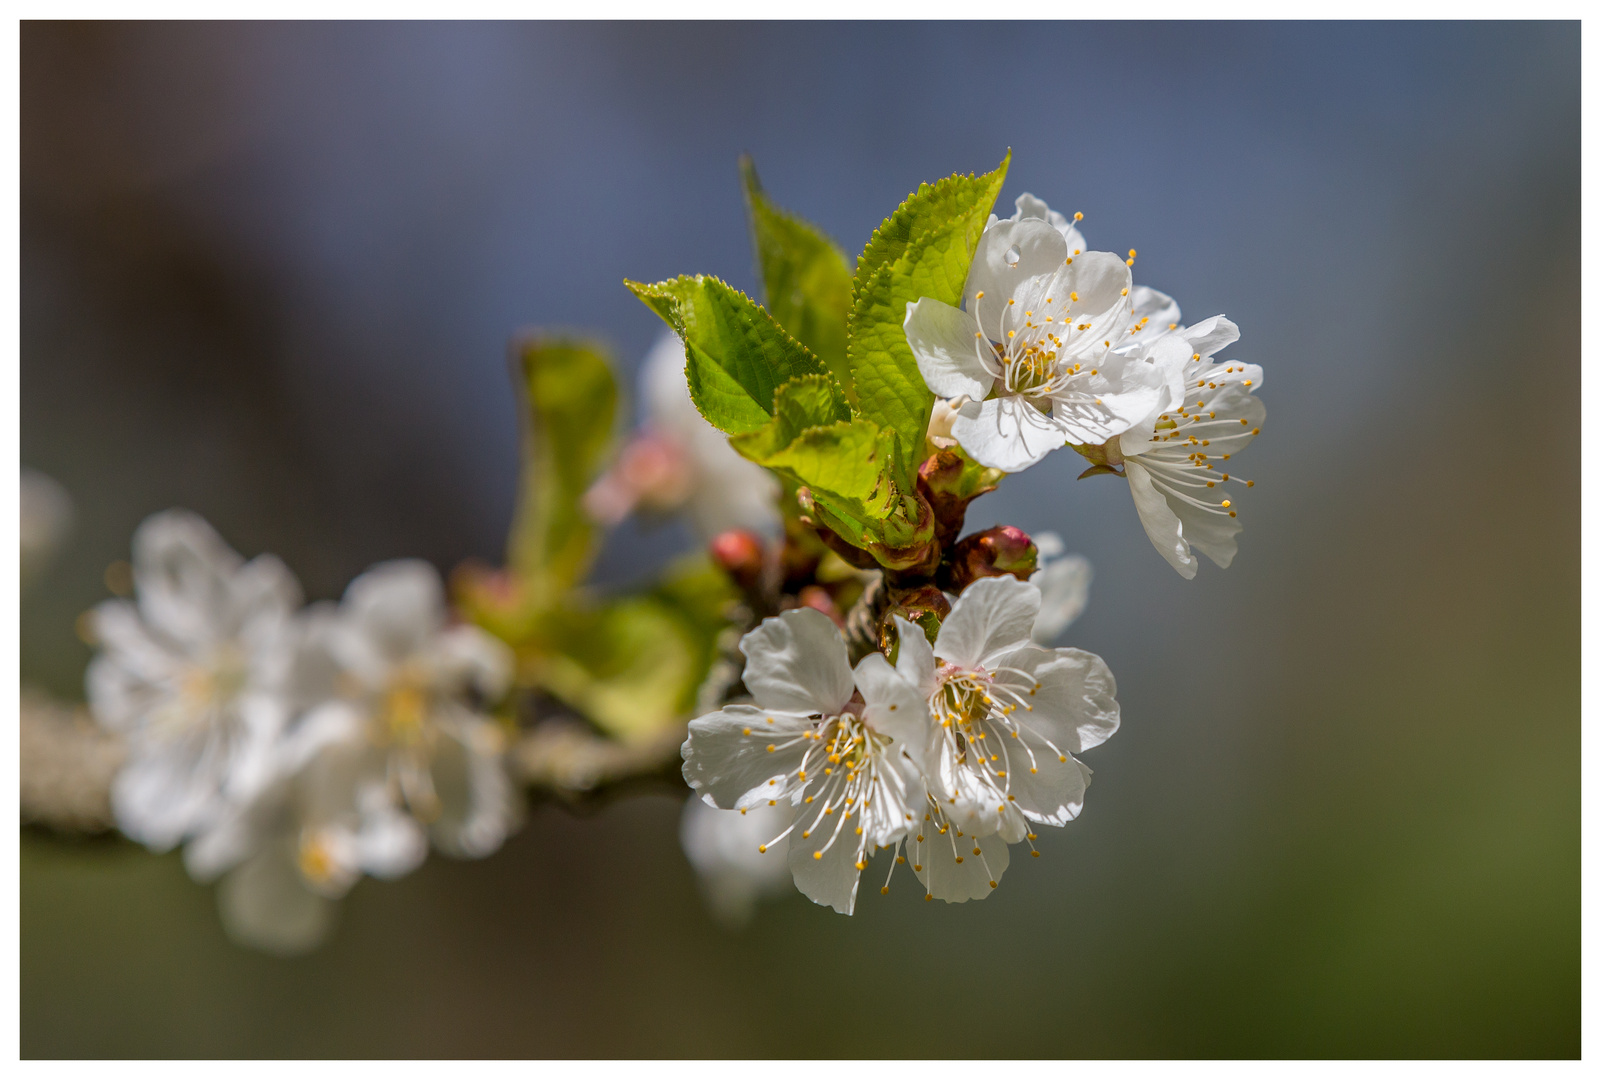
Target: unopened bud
{"type": "Point", "coordinates": [739, 551]}
{"type": "Point", "coordinates": [1005, 549]}
{"type": "Point", "coordinates": [818, 599]}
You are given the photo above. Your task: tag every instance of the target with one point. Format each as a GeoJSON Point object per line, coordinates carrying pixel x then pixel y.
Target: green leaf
{"type": "Point", "coordinates": [737, 355]}
{"type": "Point", "coordinates": [634, 665]}
{"type": "Point", "coordinates": [931, 207]}
{"type": "Point", "coordinates": [629, 666]}
{"type": "Point", "coordinates": [570, 404]}
{"type": "Point", "coordinates": [805, 278]}
{"type": "Point", "coordinates": [848, 465]}
{"type": "Point", "coordinates": [923, 249]}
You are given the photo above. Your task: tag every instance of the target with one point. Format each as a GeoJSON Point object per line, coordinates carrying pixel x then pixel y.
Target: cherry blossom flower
{"type": "Point", "coordinates": [392, 752]}
{"type": "Point", "coordinates": [1178, 459]}
{"type": "Point", "coordinates": [190, 673]}
{"type": "Point", "coordinates": [1064, 585]}
{"type": "Point", "coordinates": [845, 750]}
{"type": "Point", "coordinates": [1011, 716]}
{"type": "Point", "coordinates": [1040, 327]}
{"type": "Point", "coordinates": [726, 849]}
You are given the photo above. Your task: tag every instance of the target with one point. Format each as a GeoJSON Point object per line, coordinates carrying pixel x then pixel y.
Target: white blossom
{"type": "Point", "coordinates": [191, 675]}
{"type": "Point", "coordinates": [849, 767]}
{"type": "Point", "coordinates": [1040, 327]}
{"type": "Point", "coordinates": [1010, 717]}
{"type": "Point", "coordinates": [725, 848]}
{"type": "Point", "coordinates": [393, 751]}
{"type": "Point", "coordinates": [1064, 585]}
{"type": "Point", "coordinates": [1178, 459]}
{"type": "Point", "coordinates": [680, 463]}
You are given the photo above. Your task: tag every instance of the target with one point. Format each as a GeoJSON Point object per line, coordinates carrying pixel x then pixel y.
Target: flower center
{"type": "Point", "coordinates": [405, 713]}
{"type": "Point", "coordinates": [843, 788]}
{"type": "Point", "coordinates": [1032, 357]}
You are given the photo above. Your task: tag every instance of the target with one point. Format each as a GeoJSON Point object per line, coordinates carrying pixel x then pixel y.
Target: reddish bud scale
{"type": "Point", "coordinates": [1005, 549]}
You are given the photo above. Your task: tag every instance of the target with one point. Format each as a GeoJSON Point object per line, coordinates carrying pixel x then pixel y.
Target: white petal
{"type": "Point", "coordinates": [168, 792]}
{"type": "Point", "coordinates": [725, 848]}
{"type": "Point", "coordinates": [1163, 366]}
{"type": "Point", "coordinates": [1210, 335]}
{"type": "Point", "coordinates": [266, 905]}
{"type": "Point", "coordinates": [730, 492]}
{"type": "Point", "coordinates": [1009, 254]}
{"type": "Point", "coordinates": [1049, 791]}
{"type": "Point", "coordinates": [947, 343]}
{"type": "Point", "coordinates": [993, 617]}
{"type": "Point", "coordinates": [895, 707]}
{"type": "Point", "coordinates": [1159, 312]}
{"type": "Point", "coordinates": [397, 605]}
{"type": "Point", "coordinates": [388, 843]}
{"type": "Point", "coordinates": [824, 864]}
{"type": "Point", "coordinates": [733, 770]}
{"type": "Point", "coordinates": [915, 658]}
{"type": "Point", "coordinates": [797, 662]}
{"type": "Point", "coordinates": [1161, 524]}
{"type": "Point", "coordinates": [1064, 585]}
{"type": "Point", "coordinates": [479, 805]}
{"type": "Point", "coordinates": [1073, 703]}
{"type": "Point", "coordinates": [182, 570]}
{"type": "Point", "coordinates": [1099, 278]}
{"type": "Point", "coordinates": [474, 658]}
{"type": "Point", "coordinates": [1030, 206]}
{"type": "Point", "coordinates": [1193, 511]}
{"type": "Point", "coordinates": [1006, 433]}
{"type": "Point", "coordinates": [934, 863]}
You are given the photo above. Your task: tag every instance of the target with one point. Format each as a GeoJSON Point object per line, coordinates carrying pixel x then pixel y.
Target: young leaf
{"type": "Point", "coordinates": [923, 249]}
{"type": "Point", "coordinates": [931, 206]}
{"type": "Point", "coordinates": [569, 404]}
{"type": "Point", "coordinates": [737, 355]}
{"type": "Point", "coordinates": [847, 464]}
{"type": "Point", "coordinates": [630, 665]}
{"type": "Point", "coordinates": [805, 278]}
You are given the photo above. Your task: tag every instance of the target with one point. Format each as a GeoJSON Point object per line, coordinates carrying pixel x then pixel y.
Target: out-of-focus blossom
{"type": "Point", "coordinates": [1064, 585]}
{"type": "Point", "coordinates": [725, 848]}
{"type": "Point", "coordinates": [191, 674]}
{"type": "Point", "coordinates": [46, 519]}
{"type": "Point", "coordinates": [394, 750]}
{"type": "Point", "coordinates": [679, 463]}
{"type": "Point", "coordinates": [849, 767]}
{"type": "Point", "coordinates": [1011, 715]}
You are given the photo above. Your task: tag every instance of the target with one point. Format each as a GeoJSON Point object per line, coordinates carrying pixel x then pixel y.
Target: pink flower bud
{"type": "Point", "coordinates": [1005, 549]}
{"type": "Point", "coordinates": [739, 551]}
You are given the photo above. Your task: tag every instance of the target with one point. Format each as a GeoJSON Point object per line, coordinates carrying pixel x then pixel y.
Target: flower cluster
{"type": "Point", "coordinates": [292, 750]}
{"type": "Point", "coordinates": [968, 740]}
{"type": "Point", "coordinates": [950, 754]}
{"type": "Point", "coordinates": [1056, 346]}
